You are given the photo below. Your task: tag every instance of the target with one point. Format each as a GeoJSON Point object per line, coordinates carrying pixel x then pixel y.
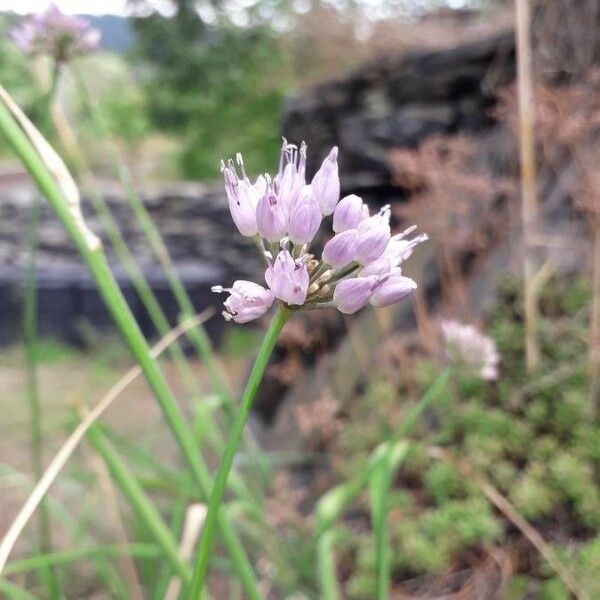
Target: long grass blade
{"type": "Point", "coordinates": [67, 557]}
{"type": "Point", "coordinates": [379, 488]}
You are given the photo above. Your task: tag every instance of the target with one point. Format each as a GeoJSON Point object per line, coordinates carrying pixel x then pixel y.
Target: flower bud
{"type": "Point", "coordinates": [305, 219]}
{"type": "Point", "coordinates": [288, 279]}
{"type": "Point", "coordinates": [348, 213]}
{"type": "Point", "coordinates": [247, 301]}
{"type": "Point", "coordinates": [381, 266]}
{"type": "Point", "coordinates": [340, 250]}
{"type": "Point", "coordinates": [399, 249]}
{"type": "Point", "coordinates": [373, 235]}
{"type": "Point", "coordinates": [351, 295]}
{"type": "Point", "coordinates": [242, 197]}
{"type": "Point", "coordinates": [270, 217]}
{"type": "Point", "coordinates": [326, 183]}
{"type": "Point", "coordinates": [392, 290]}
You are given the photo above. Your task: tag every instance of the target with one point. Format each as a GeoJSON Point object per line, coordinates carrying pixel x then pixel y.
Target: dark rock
{"type": "Point", "coordinates": [193, 221]}
{"type": "Point", "coordinates": [397, 102]}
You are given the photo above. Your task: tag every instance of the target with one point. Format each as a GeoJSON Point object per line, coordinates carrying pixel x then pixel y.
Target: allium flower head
{"type": "Point", "coordinates": [58, 35]}
{"type": "Point", "coordinates": [360, 264]}
{"type": "Point", "coordinates": [471, 349]}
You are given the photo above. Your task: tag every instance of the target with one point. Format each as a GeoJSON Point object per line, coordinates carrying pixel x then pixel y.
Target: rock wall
{"type": "Point", "coordinates": [397, 102]}
{"type": "Point", "coordinates": [194, 222]}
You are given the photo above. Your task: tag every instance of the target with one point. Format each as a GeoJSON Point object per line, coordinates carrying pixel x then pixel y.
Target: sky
{"type": "Point", "coordinates": [90, 7]}
{"type": "Point", "coordinates": [118, 7]}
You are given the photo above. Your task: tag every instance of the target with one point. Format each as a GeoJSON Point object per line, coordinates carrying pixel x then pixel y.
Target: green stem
{"type": "Point", "coordinates": [140, 503]}
{"type": "Point", "coordinates": [214, 504]}
{"type": "Point", "coordinates": [67, 557]}
{"type": "Point", "coordinates": [380, 484]}
{"type": "Point", "coordinates": [33, 395]}
{"type": "Point", "coordinates": [121, 314]}
{"type": "Point", "coordinates": [328, 582]}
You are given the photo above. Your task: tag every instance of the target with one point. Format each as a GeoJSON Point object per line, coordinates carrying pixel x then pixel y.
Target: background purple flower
{"type": "Point", "coordinates": [58, 35]}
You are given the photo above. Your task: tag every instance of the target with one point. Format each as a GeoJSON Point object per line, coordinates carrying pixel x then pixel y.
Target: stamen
{"type": "Point", "coordinates": [217, 289]}
{"type": "Point", "coordinates": [240, 162]}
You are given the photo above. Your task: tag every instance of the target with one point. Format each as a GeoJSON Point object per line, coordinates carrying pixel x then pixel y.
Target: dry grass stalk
{"type": "Point", "coordinates": [528, 177]}
{"type": "Point", "coordinates": [192, 526]}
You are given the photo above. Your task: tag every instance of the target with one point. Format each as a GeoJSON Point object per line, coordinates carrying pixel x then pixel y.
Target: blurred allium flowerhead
{"type": "Point", "coordinates": [470, 349]}
{"type": "Point", "coordinates": [360, 264]}
{"type": "Point", "coordinates": [60, 36]}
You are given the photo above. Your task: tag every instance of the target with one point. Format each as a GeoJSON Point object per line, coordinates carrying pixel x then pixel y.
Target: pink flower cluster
{"type": "Point", "coordinates": [468, 348]}
{"type": "Point", "coordinates": [359, 265]}
{"type": "Point", "coordinates": [56, 34]}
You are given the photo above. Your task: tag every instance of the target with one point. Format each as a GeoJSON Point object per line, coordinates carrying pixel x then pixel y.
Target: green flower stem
{"type": "Point", "coordinates": [121, 314]}
{"type": "Point", "coordinates": [214, 504]}
{"type": "Point", "coordinates": [30, 328]}
{"type": "Point", "coordinates": [140, 503]}
{"type": "Point", "coordinates": [33, 394]}
{"type": "Point", "coordinates": [326, 567]}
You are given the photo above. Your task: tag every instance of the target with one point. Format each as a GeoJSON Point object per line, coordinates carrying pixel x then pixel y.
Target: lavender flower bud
{"type": "Point", "coordinates": [373, 236]}
{"type": "Point", "coordinates": [392, 290]}
{"type": "Point", "coordinates": [351, 295]}
{"type": "Point", "coordinates": [270, 217]}
{"type": "Point", "coordinates": [348, 213]}
{"type": "Point", "coordinates": [326, 183]}
{"type": "Point", "coordinates": [243, 198]}
{"type": "Point", "coordinates": [305, 219]}
{"type": "Point", "coordinates": [381, 266]}
{"type": "Point", "coordinates": [291, 178]}
{"type": "Point", "coordinates": [340, 250]}
{"type": "Point", "coordinates": [247, 301]}
{"type": "Point", "coordinates": [399, 249]}
{"type": "Point", "coordinates": [288, 279]}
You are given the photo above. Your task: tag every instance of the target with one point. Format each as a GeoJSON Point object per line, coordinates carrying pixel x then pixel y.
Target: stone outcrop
{"type": "Point", "coordinates": [396, 103]}
{"type": "Point", "coordinates": [193, 220]}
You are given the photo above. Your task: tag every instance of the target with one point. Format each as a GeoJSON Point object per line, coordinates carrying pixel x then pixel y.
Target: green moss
{"type": "Point", "coordinates": [529, 436]}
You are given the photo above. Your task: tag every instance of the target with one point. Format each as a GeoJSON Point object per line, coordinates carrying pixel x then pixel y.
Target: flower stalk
{"type": "Point", "coordinates": [208, 533]}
